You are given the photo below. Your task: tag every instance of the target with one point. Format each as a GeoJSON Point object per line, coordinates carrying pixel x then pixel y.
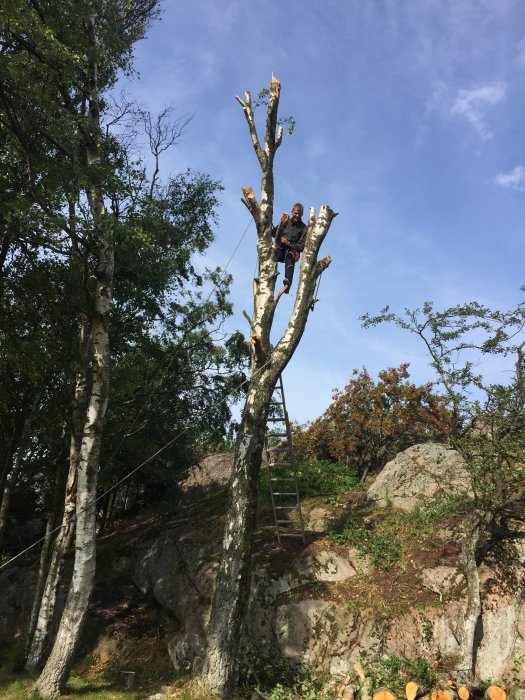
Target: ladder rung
{"type": "Point", "coordinates": [278, 429]}
{"type": "Point", "coordinates": [291, 534]}
{"type": "Point", "coordinates": [284, 522]}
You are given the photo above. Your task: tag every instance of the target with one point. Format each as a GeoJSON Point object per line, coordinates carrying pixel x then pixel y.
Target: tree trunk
{"type": "Point", "coordinates": [233, 584]}
{"type": "Point", "coordinates": [474, 526]}
{"type": "Point", "coordinates": [233, 580]}
{"type": "Point", "coordinates": [44, 605]}
{"type": "Point", "coordinates": [43, 568]}
{"type": "Point", "coordinates": [56, 670]}
{"type": "Point", "coordinates": [45, 599]}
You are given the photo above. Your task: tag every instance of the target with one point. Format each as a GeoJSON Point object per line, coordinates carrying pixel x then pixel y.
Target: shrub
{"type": "Point", "coordinates": [369, 422]}
{"type": "Point", "coordinates": [319, 477]}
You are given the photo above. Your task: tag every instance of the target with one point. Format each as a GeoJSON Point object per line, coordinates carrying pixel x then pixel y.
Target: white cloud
{"type": "Point", "coordinates": [471, 105]}
{"type": "Point", "coordinates": [515, 180]}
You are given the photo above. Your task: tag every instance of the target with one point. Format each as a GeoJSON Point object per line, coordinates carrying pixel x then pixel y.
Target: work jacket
{"type": "Point", "coordinates": [294, 232]}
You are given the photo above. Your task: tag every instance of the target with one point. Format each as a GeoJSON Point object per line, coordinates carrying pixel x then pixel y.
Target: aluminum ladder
{"type": "Point", "coordinates": [282, 469]}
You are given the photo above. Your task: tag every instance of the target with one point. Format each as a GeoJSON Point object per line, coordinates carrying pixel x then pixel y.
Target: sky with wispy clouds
{"type": "Point", "coordinates": [410, 117]}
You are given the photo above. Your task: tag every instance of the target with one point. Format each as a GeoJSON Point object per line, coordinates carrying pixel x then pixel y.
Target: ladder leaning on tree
{"type": "Point", "coordinates": [282, 469]}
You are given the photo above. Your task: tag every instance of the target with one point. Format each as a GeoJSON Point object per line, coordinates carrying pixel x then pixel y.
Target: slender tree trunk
{"type": "Point", "coordinates": [232, 584]}
{"type": "Point", "coordinates": [45, 599]}
{"type": "Point", "coordinates": [104, 516]}
{"type": "Point", "coordinates": [45, 604]}
{"type": "Point", "coordinates": [43, 568]}
{"type": "Point", "coordinates": [474, 527]}
{"type": "Point", "coordinates": [56, 670]}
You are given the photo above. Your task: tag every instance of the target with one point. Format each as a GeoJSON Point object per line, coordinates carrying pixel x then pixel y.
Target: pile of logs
{"type": "Point", "coordinates": [415, 692]}
{"type": "Point", "coordinates": [450, 690]}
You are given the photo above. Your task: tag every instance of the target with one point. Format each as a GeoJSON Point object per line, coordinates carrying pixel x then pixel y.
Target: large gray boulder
{"type": "Point", "coordinates": [420, 472]}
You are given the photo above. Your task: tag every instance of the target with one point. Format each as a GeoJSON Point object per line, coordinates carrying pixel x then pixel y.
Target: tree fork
{"type": "Point", "coordinates": [267, 363]}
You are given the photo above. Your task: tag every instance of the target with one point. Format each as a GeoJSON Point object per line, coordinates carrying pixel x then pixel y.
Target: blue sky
{"type": "Point", "coordinates": [410, 118]}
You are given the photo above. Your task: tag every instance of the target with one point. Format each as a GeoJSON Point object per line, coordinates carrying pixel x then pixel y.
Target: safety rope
{"type": "Point", "coordinates": [315, 298]}
{"type": "Point", "coordinates": [132, 426]}
{"type": "Point", "coordinates": [133, 471]}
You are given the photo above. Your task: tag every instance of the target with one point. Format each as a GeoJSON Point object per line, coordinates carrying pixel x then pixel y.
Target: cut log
{"type": "Point", "coordinates": [411, 690]}
{"type": "Point", "coordinates": [463, 692]}
{"type": "Point", "coordinates": [414, 691]}
{"type": "Point", "coordinates": [383, 694]}
{"type": "Point", "coordinates": [443, 695]}
{"type": "Point", "coordinates": [494, 692]}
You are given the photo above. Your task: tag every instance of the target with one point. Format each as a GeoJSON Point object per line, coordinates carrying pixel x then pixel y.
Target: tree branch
{"type": "Point", "coordinates": [248, 113]}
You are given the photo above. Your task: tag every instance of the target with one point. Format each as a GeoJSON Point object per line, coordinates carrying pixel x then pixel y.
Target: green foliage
{"type": "Point", "coordinates": [172, 375]}
{"type": "Point", "coordinates": [488, 426]}
{"type": "Point", "coordinates": [320, 477]}
{"type": "Point", "coordinates": [262, 101]}
{"type": "Point", "coordinates": [384, 549]}
{"type": "Point", "coordinates": [387, 540]}
{"type": "Point", "coordinates": [518, 672]}
{"type": "Point", "coordinates": [394, 672]}
{"type": "Point", "coordinates": [307, 686]}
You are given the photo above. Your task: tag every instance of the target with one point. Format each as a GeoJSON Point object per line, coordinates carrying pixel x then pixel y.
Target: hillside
{"type": "Point", "coordinates": [382, 581]}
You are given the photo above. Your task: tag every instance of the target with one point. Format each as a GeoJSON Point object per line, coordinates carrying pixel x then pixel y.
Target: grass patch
{"type": "Point", "coordinates": [276, 680]}
{"type": "Point", "coordinates": [394, 672]}
{"type": "Point", "coordinates": [384, 549]}
{"type": "Point", "coordinates": [388, 538]}
{"type": "Point", "coordinates": [319, 477]}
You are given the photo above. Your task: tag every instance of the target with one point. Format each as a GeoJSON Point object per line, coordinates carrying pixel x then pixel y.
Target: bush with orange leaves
{"type": "Point", "coordinates": [369, 422]}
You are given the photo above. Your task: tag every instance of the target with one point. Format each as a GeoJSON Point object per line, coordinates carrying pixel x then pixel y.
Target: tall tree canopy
{"type": "Point", "coordinates": [93, 249]}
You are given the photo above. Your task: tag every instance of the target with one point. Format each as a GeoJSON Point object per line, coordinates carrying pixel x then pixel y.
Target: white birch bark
{"type": "Point", "coordinates": [233, 580]}
{"type": "Point", "coordinates": [46, 592]}
{"type": "Point", "coordinates": [56, 670]}
{"type": "Point", "coordinates": [46, 596]}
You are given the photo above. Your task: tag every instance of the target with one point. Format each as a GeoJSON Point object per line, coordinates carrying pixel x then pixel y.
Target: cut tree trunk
{"type": "Point", "coordinates": [268, 361]}
{"type": "Point", "coordinates": [232, 586]}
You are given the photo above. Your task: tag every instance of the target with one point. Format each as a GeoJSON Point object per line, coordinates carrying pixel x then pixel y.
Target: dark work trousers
{"type": "Point", "coordinates": [287, 256]}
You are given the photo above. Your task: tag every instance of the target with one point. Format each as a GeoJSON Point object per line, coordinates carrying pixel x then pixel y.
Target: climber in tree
{"type": "Point", "coordinates": [292, 243]}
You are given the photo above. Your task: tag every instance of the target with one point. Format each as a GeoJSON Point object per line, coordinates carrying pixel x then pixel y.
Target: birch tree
{"type": "Point", "coordinates": [267, 363]}
{"type": "Point", "coordinates": [56, 62]}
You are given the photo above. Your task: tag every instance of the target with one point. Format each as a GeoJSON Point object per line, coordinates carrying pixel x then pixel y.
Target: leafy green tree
{"type": "Point", "coordinates": [488, 425]}
{"type": "Point", "coordinates": [369, 422]}
{"type": "Point", "coordinates": [122, 243]}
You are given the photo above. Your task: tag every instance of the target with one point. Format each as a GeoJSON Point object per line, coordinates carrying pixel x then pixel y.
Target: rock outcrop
{"type": "Point", "coordinates": [324, 604]}
{"type": "Point", "coordinates": [419, 473]}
